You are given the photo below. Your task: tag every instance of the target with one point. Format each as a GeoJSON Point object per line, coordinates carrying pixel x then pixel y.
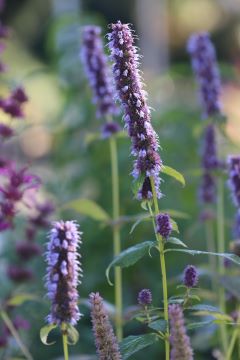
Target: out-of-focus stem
{"type": "Point", "coordinates": [221, 249]}
{"type": "Point", "coordinates": [163, 267]}
{"type": "Point", "coordinates": [209, 228]}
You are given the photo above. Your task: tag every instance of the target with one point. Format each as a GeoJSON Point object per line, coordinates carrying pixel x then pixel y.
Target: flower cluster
{"type": "Point", "coordinates": [180, 342]}
{"type": "Point", "coordinates": [164, 226]}
{"type": "Point", "coordinates": [63, 272]}
{"type": "Point", "coordinates": [105, 340]}
{"type": "Point", "coordinates": [136, 111]}
{"type": "Point", "coordinates": [145, 297]}
{"type": "Point", "coordinates": [96, 68]}
{"type": "Point", "coordinates": [13, 104]}
{"type": "Point", "coordinates": [190, 276]}
{"type": "Point", "coordinates": [204, 65]}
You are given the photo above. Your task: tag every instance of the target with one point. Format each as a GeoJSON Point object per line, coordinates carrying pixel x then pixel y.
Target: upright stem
{"type": "Point", "coordinates": [211, 248]}
{"type": "Point", "coordinates": [221, 249]}
{"type": "Point", "coordinates": [163, 268]}
{"type": "Point", "coordinates": [116, 236]}
{"type": "Point", "coordinates": [65, 343]}
{"type": "Point", "coordinates": [15, 334]}
{"type": "Point", "coordinates": [232, 343]}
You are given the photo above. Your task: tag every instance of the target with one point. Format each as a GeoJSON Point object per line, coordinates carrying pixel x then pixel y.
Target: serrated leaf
{"type": "Point", "coordinates": [173, 173]}
{"type": "Point", "coordinates": [234, 258]}
{"type": "Point", "coordinates": [89, 208]}
{"type": "Point", "coordinates": [19, 299]}
{"type": "Point", "coordinates": [133, 344]}
{"type": "Point", "coordinates": [72, 335]}
{"type": "Point", "coordinates": [130, 256]}
{"type": "Point", "coordinates": [176, 241]}
{"type": "Point", "coordinates": [158, 325]}
{"type": "Point", "coordinates": [44, 332]}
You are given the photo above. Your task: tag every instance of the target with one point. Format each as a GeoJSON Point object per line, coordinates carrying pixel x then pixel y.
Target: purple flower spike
{"type": "Point", "coordinates": [164, 226]}
{"type": "Point", "coordinates": [209, 149]}
{"type": "Point", "coordinates": [63, 272]}
{"type": "Point", "coordinates": [180, 342]}
{"type": "Point", "coordinates": [110, 128]}
{"type": "Point", "coordinates": [5, 131]}
{"type": "Point", "coordinates": [105, 340]}
{"type": "Point", "coordinates": [190, 276]}
{"type": "Point", "coordinates": [234, 178]}
{"type": "Point", "coordinates": [236, 227]}
{"type": "Point", "coordinates": [204, 64]}
{"type": "Point", "coordinates": [207, 190]}
{"type": "Point", "coordinates": [136, 111]}
{"type": "Point", "coordinates": [145, 297]}
{"type": "Point", "coordinates": [96, 68]}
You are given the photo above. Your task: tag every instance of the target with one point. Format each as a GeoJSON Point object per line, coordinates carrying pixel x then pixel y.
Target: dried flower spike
{"type": "Point", "coordinates": [180, 342]}
{"type": "Point", "coordinates": [164, 226]}
{"type": "Point", "coordinates": [96, 68]}
{"type": "Point", "coordinates": [145, 297]}
{"type": "Point", "coordinates": [63, 272]}
{"type": "Point", "coordinates": [136, 111]}
{"type": "Point", "coordinates": [105, 340]}
{"type": "Point", "coordinates": [204, 64]}
{"type": "Point", "coordinates": [190, 278]}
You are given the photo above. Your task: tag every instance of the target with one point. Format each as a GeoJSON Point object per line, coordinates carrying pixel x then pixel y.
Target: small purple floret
{"type": "Point", "coordinates": [145, 297]}
{"type": "Point", "coordinates": [190, 278]}
{"type": "Point", "coordinates": [164, 226]}
{"type": "Point", "coordinates": [110, 128]}
{"type": "Point", "coordinates": [63, 272]}
{"type": "Point", "coordinates": [204, 64]}
{"type": "Point", "coordinates": [180, 342]}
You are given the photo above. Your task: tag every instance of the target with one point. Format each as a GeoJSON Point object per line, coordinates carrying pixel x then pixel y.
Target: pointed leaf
{"type": "Point", "coordinates": [89, 208]}
{"type": "Point", "coordinates": [130, 256]}
{"type": "Point", "coordinates": [133, 344]}
{"type": "Point", "coordinates": [138, 221]}
{"type": "Point", "coordinates": [177, 213]}
{"type": "Point", "coordinates": [176, 241]}
{"type": "Point", "coordinates": [19, 299]}
{"type": "Point", "coordinates": [199, 324]}
{"type": "Point", "coordinates": [173, 173]}
{"type": "Point", "coordinates": [234, 258]}
{"type": "Point", "coordinates": [174, 225]}
{"type": "Point", "coordinates": [158, 325]}
{"type": "Point", "coordinates": [44, 332]}
{"type": "Point", "coordinates": [72, 334]}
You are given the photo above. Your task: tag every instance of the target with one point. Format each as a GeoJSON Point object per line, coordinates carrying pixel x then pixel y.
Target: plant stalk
{"type": "Point", "coordinates": [163, 267]}
{"type": "Point", "coordinates": [221, 249]}
{"type": "Point", "coordinates": [64, 340]}
{"type": "Point", "coordinates": [15, 334]}
{"type": "Point", "coordinates": [116, 236]}
{"type": "Point", "coordinates": [211, 248]}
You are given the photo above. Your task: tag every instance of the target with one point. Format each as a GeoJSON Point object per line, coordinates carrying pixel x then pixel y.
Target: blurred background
{"type": "Point", "coordinates": [42, 54]}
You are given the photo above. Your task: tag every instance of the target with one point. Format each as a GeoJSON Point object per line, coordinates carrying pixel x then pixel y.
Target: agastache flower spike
{"type": "Point", "coordinates": [164, 226]}
{"type": "Point", "coordinates": [190, 278]}
{"type": "Point", "coordinates": [136, 111]}
{"type": "Point", "coordinates": [105, 340]}
{"type": "Point", "coordinates": [207, 190]}
{"type": "Point", "coordinates": [209, 149]}
{"type": "Point", "coordinates": [145, 297]}
{"type": "Point", "coordinates": [180, 342]}
{"type": "Point", "coordinates": [204, 64]}
{"type": "Point", "coordinates": [63, 273]}
{"type": "Point", "coordinates": [234, 178]}
{"type": "Point", "coordinates": [96, 68]}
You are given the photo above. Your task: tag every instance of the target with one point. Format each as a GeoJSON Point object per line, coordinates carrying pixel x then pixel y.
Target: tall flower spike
{"type": "Point", "coordinates": [209, 149]}
{"type": "Point", "coordinates": [204, 64]}
{"type": "Point", "coordinates": [96, 68]}
{"type": "Point", "coordinates": [63, 272]}
{"type": "Point", "coordinates": [105, 340]}
{"type": "Point", "coordinates": [234, 178]}
{"type": "Point", "coordinates": [180, 342]}
{"type": "Point", "coordinates": [136, 111]}
{"type": "Point", "coordinates": [207, 190]}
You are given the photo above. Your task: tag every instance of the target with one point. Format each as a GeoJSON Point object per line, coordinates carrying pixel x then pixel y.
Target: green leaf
{"type": "Point", "coordinates": [176, 241]}
{"type": "Point", "coordinates": [203, 310]}
{"type": "Point", "coordinates": [133, 344]}
{"type": "Point", "coordinates": [90, 137]}
{"type": "Point", "coordinates": [176, 213]}
{"type": "Point", "coordinates": [234, 258]}
{"type": "Point", "coordinates": [44, 332]}
{"type": "Point", "coordinates": [130, 256]}
{"type": "Point", "coordinates": [72, 335]}
{"type": "Point", "coordinates": [174, 225]}
{"type": "Point", "coordinates": [138, 221]}
{"type": "Point", "coordinates": [19, 299]}
{"type": "Point", "coordinates": [158, 325]}
{"type": "Point", "coordinates": [199, 324]}
{"type": "Point", "coordinates": [173, 173]}
{"type": "Point", "coordinates": [89, 208]}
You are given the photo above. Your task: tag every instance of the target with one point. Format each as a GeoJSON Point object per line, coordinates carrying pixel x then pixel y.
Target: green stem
{"type": "Point", "coordinates": [221, 249]}
{"type": "Point", "coordinates": [15, 334]}
{"type": "Point", "coordinates": [211, 248]}
{"type": "Point", "coordinates": [163, 267]}
{"type": "Point", "coordinates": [116, 236]}
{"type": "Point", "coordinates": [64, 340]}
